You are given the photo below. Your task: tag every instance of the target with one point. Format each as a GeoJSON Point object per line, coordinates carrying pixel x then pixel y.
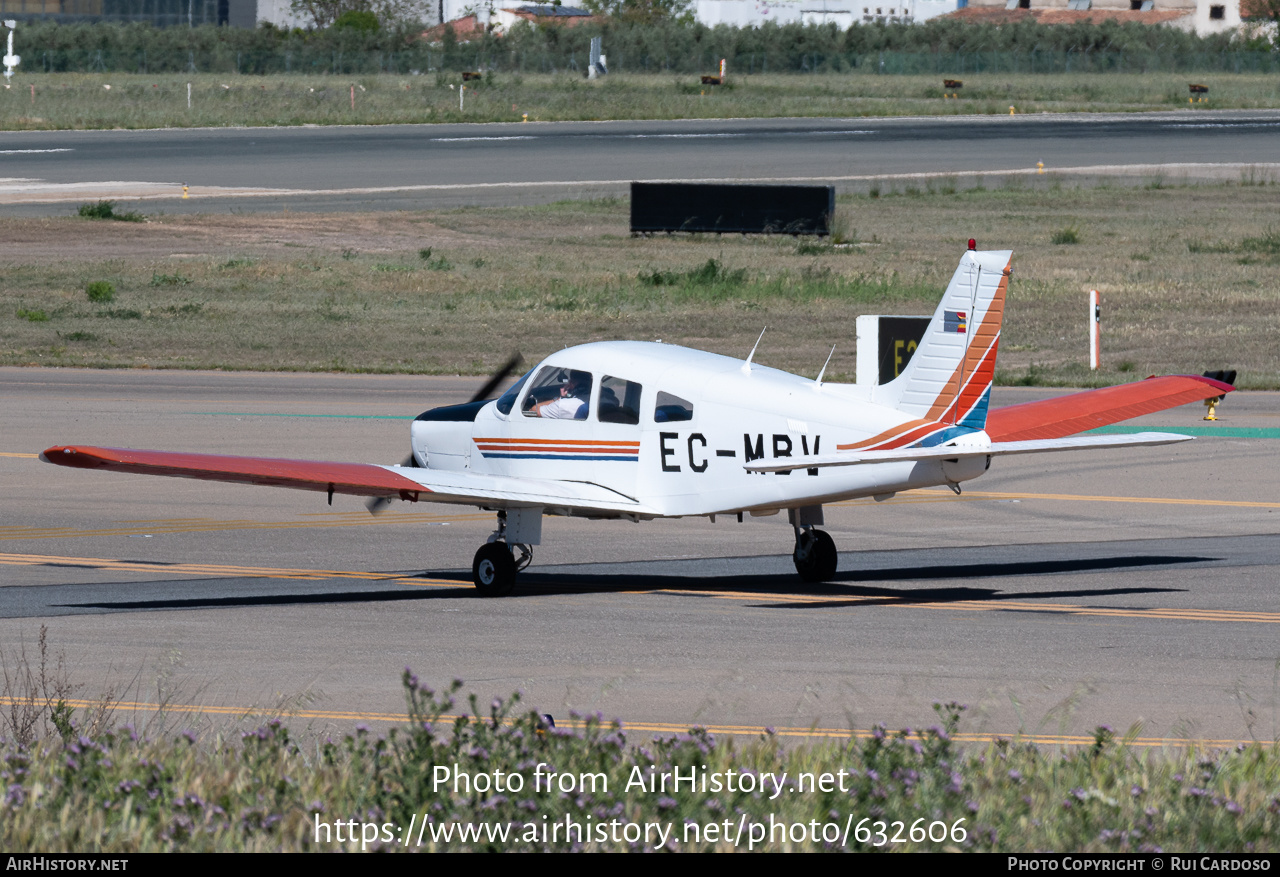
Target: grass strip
{"type": "Point", "coordinates": [312, 292]}
{"type": "Point", "coordinates": [51, 101]}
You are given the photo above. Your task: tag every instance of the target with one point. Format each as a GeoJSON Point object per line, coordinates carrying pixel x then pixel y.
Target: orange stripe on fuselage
{"type": "Point", "coordinates": [568, 442]}
{"type": "Point", "coordinates": [884, 436]}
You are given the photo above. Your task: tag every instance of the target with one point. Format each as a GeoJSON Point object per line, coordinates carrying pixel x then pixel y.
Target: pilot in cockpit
{"type": "Point", "coordinates": [573, 401]}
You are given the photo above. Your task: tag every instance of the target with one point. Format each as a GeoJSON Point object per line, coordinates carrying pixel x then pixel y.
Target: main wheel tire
{"type": "Point", "coordinates": [494, 570]}
{"type": "Point", "coordinates": [817, 560]}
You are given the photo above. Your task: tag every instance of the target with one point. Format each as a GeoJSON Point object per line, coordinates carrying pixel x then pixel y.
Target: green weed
{"type": "Point", "coordinates": [32, 316]}
{"type": "Point", "coordinates": [100, 291]}
{"type": "Point", "coordinates": [440, 263]}
{"type": "Point", "coordinates": [712, 273]}
{"type": "Point", "coordinates": [169, 280]}
{"type": "Point", "coordinates": [1065, 236]}
{"type": "Point", "coordinates": [106, 210]}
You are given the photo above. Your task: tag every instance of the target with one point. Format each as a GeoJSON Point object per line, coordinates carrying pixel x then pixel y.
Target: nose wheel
{"type": "Point", "coordinates": [815, 555]}
{"type": "Point", "coordinates": [494, 570]}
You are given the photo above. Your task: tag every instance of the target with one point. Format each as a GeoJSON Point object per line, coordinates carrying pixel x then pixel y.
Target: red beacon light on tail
{"type": "Point", "coordinates": [973, 245]}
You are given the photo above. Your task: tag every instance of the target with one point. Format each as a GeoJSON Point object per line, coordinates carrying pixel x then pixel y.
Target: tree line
{"type": "Point", "coordinates": [630, 46]}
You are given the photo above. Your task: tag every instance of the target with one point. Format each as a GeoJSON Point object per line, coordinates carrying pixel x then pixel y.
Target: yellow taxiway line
{"type": "Point", "coordinates": [206, 525]}
{"type": "Point", "coordinates": [255, 712]}
{"type": "Point", "coordinates": [926, 496]}
{"type": "Point", "coordinates": [221, 570]}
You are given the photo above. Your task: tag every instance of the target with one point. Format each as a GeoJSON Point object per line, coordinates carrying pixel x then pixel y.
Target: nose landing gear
{"type": "Point", "coordinates": [497, 562]}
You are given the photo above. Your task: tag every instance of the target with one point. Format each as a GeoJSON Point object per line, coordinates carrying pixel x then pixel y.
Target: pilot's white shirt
{"type": "Point", "coordinates": [565, 408]}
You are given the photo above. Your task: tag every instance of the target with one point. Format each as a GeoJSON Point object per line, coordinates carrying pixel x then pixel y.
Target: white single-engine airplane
{"type": "Point", "coordinates": [637, 430]}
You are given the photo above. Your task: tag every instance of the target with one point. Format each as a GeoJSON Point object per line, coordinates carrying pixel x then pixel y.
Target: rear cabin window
{"type": "Point", "coordinates": [619, 401]}
{"type": "Point", "coordinates": [672, 409]}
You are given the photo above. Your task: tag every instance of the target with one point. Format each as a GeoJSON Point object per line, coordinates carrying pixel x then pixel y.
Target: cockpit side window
{"type": "Point", "coordinates": [507, 400]}
{"type": "Point", "coordinates": [559, 393]}
{"type": "Point", "coordinates": [671, 409]}
{"type": "Point", "coordinates": [619, 400]}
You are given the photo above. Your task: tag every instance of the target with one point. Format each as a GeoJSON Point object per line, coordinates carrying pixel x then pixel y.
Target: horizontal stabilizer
{"type": "Point", "coordinates": [1078, 412]}
{"type": "Point", "coordinates": [994, 449]}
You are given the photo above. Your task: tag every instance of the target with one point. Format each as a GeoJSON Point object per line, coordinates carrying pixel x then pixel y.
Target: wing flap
{"type": "Point", "coordinates": [1078, 412]}
{"type": "Point", "coordinates": [995, 449]}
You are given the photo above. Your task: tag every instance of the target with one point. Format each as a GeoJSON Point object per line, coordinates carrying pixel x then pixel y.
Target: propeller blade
{"type": "Point", "coordinates": [497, 378]}
{"type": "Point", "coordinates": [377, 504]}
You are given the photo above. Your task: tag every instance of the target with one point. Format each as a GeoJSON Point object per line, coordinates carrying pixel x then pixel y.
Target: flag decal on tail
{"type": "Point", "coordinates": [955, 322]}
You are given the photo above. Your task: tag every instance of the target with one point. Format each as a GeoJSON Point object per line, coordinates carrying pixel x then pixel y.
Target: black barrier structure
{"type": "Point", "coordinates": [899, 337]}
{"type": "Point", "coordinates": [744, 209]}
{"type": "Point", "coordinates": [896, 339]}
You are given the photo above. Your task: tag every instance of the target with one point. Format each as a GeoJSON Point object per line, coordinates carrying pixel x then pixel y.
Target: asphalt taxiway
{"type": "Point", "coordinates": [1134, 588]}
{"type": "Point", "coordinates": [416, 167]}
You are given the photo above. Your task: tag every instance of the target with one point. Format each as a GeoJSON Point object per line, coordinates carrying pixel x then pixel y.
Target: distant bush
{"type": "Point", "coordinates": [355, 19]}
{"type": "Point", "coordinates": [100, 291]}
{"type": "Point", "coordinates": [1068, 235]}
{"type": "Point", "coordinates": [107, 210]}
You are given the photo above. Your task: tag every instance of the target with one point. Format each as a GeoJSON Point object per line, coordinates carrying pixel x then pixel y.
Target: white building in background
{"type": "Point", "coordinates": [1198, 16]}
{"type": "Point", "coordinates": [841, 13]}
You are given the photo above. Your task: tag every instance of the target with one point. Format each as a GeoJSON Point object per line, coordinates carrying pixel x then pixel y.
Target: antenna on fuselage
{"type": "Point", "coordinates": [818, 383]}
{"type": "Point", "coordinates": [746, 366]}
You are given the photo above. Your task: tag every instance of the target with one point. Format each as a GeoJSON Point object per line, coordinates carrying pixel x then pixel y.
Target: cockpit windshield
{"type": "Point", "coordinates": [507, 400]}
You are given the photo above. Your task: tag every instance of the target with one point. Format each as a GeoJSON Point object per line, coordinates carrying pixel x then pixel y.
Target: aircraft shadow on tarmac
{"type": "Point", "coordinates": [845, 590]}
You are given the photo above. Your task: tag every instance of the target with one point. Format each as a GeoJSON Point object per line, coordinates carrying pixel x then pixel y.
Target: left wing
{"type": "Point", "coordinates": [357, 479]}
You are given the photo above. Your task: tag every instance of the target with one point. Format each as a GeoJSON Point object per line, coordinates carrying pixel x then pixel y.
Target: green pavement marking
{"type": "Point", "coordinates": [284, 414]}
{"type": "Point", "coordinates": [1225, 431]}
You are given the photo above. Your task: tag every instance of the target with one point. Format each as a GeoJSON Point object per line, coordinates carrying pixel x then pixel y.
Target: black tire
{"type": "Point", "coordinates": [819, 561]}
{"type": "Point", "coordinates": [494, 570]}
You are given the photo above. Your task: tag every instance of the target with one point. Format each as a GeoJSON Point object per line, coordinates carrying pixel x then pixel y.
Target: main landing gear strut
{"type": "Point", "coordinates": [815, 554]}
{"type": "Point", "coordinates": [497, 562]}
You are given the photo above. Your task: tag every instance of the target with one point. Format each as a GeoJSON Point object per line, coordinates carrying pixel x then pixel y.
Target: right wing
{"type": "Point", "coordinates": [956, 452]}
{"type": "Point", "coordinates": [1078, 412]}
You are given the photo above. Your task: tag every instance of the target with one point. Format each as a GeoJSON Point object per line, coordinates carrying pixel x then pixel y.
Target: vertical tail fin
{"type": "Point", "coordinates": [948, 379]}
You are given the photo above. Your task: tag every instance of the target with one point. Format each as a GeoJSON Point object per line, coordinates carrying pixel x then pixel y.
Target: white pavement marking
{"type": "Point", "coordinates": [30, 151]}
{"type": "Point", "coordinates": [40, 191]}
{"type": "Point", "coordinates": [471, 139]}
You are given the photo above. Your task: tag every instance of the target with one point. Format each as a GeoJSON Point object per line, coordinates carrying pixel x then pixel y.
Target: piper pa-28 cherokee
{"type": "Point", "coordinates": [637, 430]}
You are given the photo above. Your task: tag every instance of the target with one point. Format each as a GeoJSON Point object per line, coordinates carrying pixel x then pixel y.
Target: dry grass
{"type": "Point", "coordinates": [353, 292]}
{"type": "Point", "coordinates": [76, 100]}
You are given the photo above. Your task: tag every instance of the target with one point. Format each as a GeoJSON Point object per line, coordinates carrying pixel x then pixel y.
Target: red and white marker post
{"type": "Point", "coordinates": [1095, 329]}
